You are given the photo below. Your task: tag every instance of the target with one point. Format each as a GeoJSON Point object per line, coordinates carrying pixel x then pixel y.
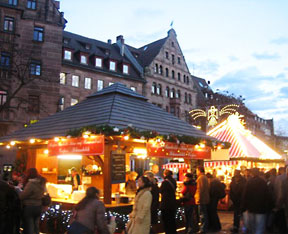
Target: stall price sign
{"type": "Point", "coordinates": [118, 163]}
{"type": "Point", "coordinates": [84, 146]}
{"type": "Point", "coordinates": [173, 150]}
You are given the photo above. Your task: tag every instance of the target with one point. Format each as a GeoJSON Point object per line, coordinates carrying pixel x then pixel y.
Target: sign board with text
{"type": "Point", "coordinates": [93, 145]}
{"type": "Point", "coordinates": [118, 169]}
{"type": "Point", "coordinates": [173, 150]}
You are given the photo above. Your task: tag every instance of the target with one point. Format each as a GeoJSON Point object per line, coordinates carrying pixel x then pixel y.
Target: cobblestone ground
{"type": "Point", "coordinates": [226, 219]}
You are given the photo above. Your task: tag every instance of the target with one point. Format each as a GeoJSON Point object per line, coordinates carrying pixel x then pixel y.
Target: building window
{"type": "Point", "coordinates": [187, 80]}
{"type": "Point", "coordinates": [184, 78]}
{"type": "Point", "coordinates": [66, 41]}
{"type": "Point", "coordinates": [3, 97]}
{"type": "Point", "coordinates": [98, 62]}
{"type": "Point", "coordinates": [167, 92]}
{"type": "Point", "coordinates": [156, 70]}
{"type": "Point", "coordinates": [63, 78]}
{"type": "Point", "coordinates": [167, 72]}
{"type": "Point", "coordinates": [167, 55]}
{"type": "Point", "coordinates": [112, 66]}
{"type": "Point", "coordinates": [172, 43]}
{"type": "Point", "coordinates": [173, 74]}
{"type": "Point", "coordinates": [160, 70]}
{"type": "Point", "coordinates": [185, 98]}
{"type": "Point", "coordinates": [100, 85]}
{"type": "Point", "coordinates": [125, 69]}
{"type": "Point", "coordinates": [31, 4]}
{"type": "Point", "coordinates": [87, 83]}
{"type": "Point", "coordinates": [8, 24]}
{"type": "Point", "coordinates": [189, 99]}
{"type": "Point", "coordinates": [33, 104]}
{"type": "Point", "coordinates": [179, 60]}
{"type": "Point", "coordinates": [75, 81]}
{"type": "Point", "coordinates": [173, 59]}
{"type": "Point", "coordinates": [38, 34]}
{"type": "Point", "coordinates": [179, 76]}
{"type": "Point", "coordinates": [153, 88]}
{"type": "Point", "coordinates": [61, 103]}
{"type": "Point", "coordinates": [5, 60]}
{"type": "Point", "coordinates": [133, 88]}
{"type": "Point", "coordinates": [159, 89]}
{"type": "Point", "coordinates": [172, 110]}
{"type": "Point", "coordinates": [178, 94]}
{"type": "Point", "coordinates": [110, 83]}
{"type": "Point", "coordinates": [74, 101]}
{"type": "Point", "coordinates": [13, 2]}
{"type": "Point", "coordinates": [178, 112]}
{"type": "Point", "coordinates": [35, 68]}
{"type": "Point", "coordinates": [83, 59]}
{"type": "Point", "coordinates": [172, 94]}
{"type": "Point", "coordinates": [67, 55]}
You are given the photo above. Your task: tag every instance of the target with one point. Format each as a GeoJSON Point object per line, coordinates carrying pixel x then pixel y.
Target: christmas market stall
{"type": "Point", "coordinates": [246, 151]}
{"type": "Point", "coordinates": [110, 133]}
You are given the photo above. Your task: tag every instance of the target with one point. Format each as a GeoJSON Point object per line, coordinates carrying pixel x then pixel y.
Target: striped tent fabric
{"type": "Point", "coordinates": [243, 143]}
{"type": "Point", "coordinates": [175, 165]}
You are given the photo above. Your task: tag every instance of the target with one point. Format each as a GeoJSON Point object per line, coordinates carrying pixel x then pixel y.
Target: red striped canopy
{"type": "Point", "coordinates": [243, 143]}
{"type": "Point", "coordinates": [175, 165]}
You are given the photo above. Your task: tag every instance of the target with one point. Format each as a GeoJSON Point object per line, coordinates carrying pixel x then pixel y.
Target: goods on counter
{"type": "Point", "coordinates": [59, 190]}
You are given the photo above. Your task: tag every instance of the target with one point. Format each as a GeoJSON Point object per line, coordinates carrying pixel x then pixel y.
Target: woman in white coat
{"type": "Point", "coordinates": [140, 217]}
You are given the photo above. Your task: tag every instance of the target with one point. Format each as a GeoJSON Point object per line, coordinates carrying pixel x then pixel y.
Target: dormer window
{"type": "Point", "coordinates": [98, 62]}
{"type": "Point", "coordinates": [83, 59]}
{"type": "Point", "coordinates": [87, 46]}
{"type": "Point", "coordinates": [112, 65]}
{"type": "Point", "coordinates": [125, 69]}
{"type": "Point", "coordinates": [66, 41]}
{"type": "Point", "coordinates": [67, 55]}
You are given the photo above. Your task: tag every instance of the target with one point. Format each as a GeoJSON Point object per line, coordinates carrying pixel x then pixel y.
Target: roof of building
{"type": "Point", "coordinates": [116, 106]}
{"type": "Point", "coordinates": [107, 51]}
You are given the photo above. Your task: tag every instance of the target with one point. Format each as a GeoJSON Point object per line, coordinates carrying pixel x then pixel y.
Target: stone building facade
{"type": "Point", "coordinates": [30, 47]}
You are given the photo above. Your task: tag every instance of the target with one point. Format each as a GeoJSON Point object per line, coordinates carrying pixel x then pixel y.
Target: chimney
{"type": "Point", "coordinates": [57, 4]}
{"type": "Point", "coordinates": [109, 41]}
{"type": "Point", "coordinates": [120, 42]}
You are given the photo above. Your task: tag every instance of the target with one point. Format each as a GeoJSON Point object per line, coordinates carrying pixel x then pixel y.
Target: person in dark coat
{"type": "Point", "coordinates": [188, 193]}
{"type": "Point", "coordinates": [10, 208]}
{"type": "Point", "coordinates": [155, 198]}
{"type": "Point", "coordinates": [256, 201]}
{"type": "Point", "coordinates": [168, 202]}
{"type": "Point", "coordinates": [217, 191]}
{"type": "Point", "coordinates": [236, 189]}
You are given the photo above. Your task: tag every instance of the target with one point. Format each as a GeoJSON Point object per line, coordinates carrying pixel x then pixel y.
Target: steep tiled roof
{"type": "Point", "coordinates": [116, 106]}
{"type": "Point", "coordinates": [98, 48]}
{"type": "Point", "coordinates": [148, 52]}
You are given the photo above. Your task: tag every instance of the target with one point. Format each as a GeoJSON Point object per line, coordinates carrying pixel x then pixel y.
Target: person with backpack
{"type": "Point", "coordinates": [188, 199]}
{"type": "Point", "coordinates": [237, 186]}
{"type": "Point", "coordinates": [168, 202]}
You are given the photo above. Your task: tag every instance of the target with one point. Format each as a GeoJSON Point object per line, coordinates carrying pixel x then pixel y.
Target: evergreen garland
{"type": "Point", "coordinates": [134, 133]}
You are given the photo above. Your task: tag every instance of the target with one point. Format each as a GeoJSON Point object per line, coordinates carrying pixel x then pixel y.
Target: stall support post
{"type": "Point", "coordinates": [107, 174]}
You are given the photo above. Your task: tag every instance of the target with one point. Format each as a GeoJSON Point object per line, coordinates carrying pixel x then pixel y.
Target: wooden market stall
{"type": "Point", "coordinates": [103, 137]}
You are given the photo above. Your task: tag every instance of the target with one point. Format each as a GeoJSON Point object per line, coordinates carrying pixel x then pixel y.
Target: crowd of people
{"type": "Point", "coordinates": [259, 199]}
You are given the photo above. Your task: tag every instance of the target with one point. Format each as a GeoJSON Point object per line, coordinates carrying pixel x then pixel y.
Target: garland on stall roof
{"type": "Point", "coordinates": [107, 130]}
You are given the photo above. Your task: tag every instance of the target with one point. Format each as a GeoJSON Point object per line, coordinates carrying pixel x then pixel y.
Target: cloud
{"type": "Point", "coordinates": [280, 41]}
{"type": "Point", "coordinates": [284, 92]}
{"type": "Point", "coordinates": [204, 67]}
{"type": "Point", "coordinates": [262, 93]}
{"type": "Point", "coordinates": [233, 58]}
{"type": "Point", "coordinates": [266, 56]}
{"type": "Point", "coordinates": [142, 13]}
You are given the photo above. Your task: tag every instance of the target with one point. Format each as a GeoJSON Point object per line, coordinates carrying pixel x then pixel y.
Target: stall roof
{"type": "Point", "coordinates": [116, 106]}
{"type": "Point", "coordinates": [243, 143]}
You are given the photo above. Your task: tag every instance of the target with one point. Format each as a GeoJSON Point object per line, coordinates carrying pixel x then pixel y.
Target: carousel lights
{"type": "Point", "coordinates": [126, 138]}
{"type": "Point", "coordinates": [12, 143]}
{"type": "Point", "coordinates": [56, 139]}
{"type": "Point", "coordinates": [8, 146]}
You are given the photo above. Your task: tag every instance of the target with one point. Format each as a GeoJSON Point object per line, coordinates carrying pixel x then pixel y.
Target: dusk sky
{"type": "Point", "coordinates": [240, 46]}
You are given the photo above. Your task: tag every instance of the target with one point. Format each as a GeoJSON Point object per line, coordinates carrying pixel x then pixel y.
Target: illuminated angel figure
{"type": "Point", "coordinates": [213, 113]}
{"type": "Point", "coordinates": [212, 116]}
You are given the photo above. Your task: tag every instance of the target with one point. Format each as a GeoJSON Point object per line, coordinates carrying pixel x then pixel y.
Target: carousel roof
{"type": "Point", "coordinates": [243, 143]}
{"type": "Point", "coordinates": [116, 106]}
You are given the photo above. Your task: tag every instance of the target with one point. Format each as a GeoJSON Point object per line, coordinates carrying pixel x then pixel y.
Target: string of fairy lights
{"type": "Point", "coordinates": [57, 220]}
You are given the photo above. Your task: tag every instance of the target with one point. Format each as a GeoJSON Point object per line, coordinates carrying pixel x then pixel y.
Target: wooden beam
{"type": "Point", "coordinates": [107, 174]}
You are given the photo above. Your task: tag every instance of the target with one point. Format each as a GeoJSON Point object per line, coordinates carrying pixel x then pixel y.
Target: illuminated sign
{"type": "Point", "coordinates": [83, 146]}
